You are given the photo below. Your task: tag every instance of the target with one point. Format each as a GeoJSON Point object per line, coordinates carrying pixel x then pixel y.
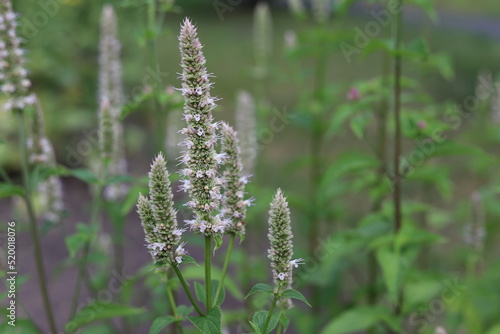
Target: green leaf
{"type": "Point", "coordinates": [284, 320]}
{"type": "Point", "coordinates": [100, 311]}
{"type": "Point", "coordinates": [8, 190]}
{"type": "Point", "coordinates": [259, 320]}
{"type": "Point", "coordinates": [188, 259]}
{"type": "Point", "coordinates": [184, 311]}
{"type": "Point", "coordinates": [131, 199]}
{"type": "Point", "coordinates": [428, 7]}
{"type": "Point", "coordinates": [294, 294]}
{"type": "Point", "coordinates": [359, 123]}
{"type": "Point", "coordinates": [352, 320]}
{"type": "Point", "coordinates": [418, 48]}
{"type": "Point", "coordinates": [198, 273]}
{"type": "Point", "coordinates": [24, 326]}
{"type": "Point", "coordinates": [85, 175]}
{"type": "Point", "coordinates": [390, 263]}
{"type": "Point", "coordinates": [160, 323]}
{"type": "Point", "coordinates": [83, 234]}
{"type": "Point", "coordinates": [260, 287]}
{"type": "Point", "coordinates": [494, 330]}
{"type": "Point", "coordinates": [199, 290]}
{"type": "Point", "coordinates": [201, 293]}
{"type": "Point", "coordinates": [209, 324]}
{"type": "Point", "coordinates": [218, 241]}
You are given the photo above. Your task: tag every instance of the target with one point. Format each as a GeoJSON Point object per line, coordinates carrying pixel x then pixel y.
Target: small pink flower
{"type": "Point", "coordinates": [353, 94]}
{"type": "Point", "coordinates": [422, 125]}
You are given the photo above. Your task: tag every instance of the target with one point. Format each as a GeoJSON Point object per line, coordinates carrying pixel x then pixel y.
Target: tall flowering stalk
{"type": "Point", "coordinates": [262, 39]}
{"type": "Point", "coordinates": [159, 218]}
{"type": "Point", "coordinates": [41, 153]}
{"type": "Point", "coordinates": [14, 76]}
{"type": "Point", "coordinates": [246, 127]}
{"type": "Point", "coordinates": [200, 175]}
{"type": "Point", "coordinates": [14, 82]}
{"type": "Point", "coordinates": [234, 206]}
{"type": "Point", "coordinates": [111, 103]}
{"type": "Point", "coordinates": [159, 221]}
{"type": "Point", "coordinates": [281, 246]}
{"type": "Point", "coordinates": [200, 178]}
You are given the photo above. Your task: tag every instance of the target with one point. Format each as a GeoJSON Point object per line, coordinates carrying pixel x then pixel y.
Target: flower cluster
{"type": "Point", "coordinates": [159, 218]}
{"type": "Point", "coordinates": [111, 103]}
{"type": "Point", "coordinates": [262, 39]}
{"type": "Point", "coordinates": [281, 246]}
{"type": "Point", "coordinates": [234, 206]}
{"type": "Point", "coordinates": [246, 127]}
{"type": "Point", "coordinates": [14, 76]}
{"type": "Point", "coordinates": [110, 75]}
{"type": "Point", "coordinates": [41, 153]}
{"type": "Point", "coordinates": [200, 177]}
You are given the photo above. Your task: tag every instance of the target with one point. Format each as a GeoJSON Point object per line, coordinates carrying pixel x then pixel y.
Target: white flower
{"type": "Point", "coordinates": [296, 262]}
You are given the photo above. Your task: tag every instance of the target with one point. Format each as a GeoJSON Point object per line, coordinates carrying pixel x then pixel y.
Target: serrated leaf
{"type": "Point", "coordinates": [160, 323]}
{"type": "Point", "coordinates": [260, 287]}
{"type": "Point", "coordinates": [100, 311]}
{"type": "Point", "coordinates": [259, 320]}
{"type": "Point", "coordinates": [294, 294]}
{"type": "Point", "coordinates": [210, 323]}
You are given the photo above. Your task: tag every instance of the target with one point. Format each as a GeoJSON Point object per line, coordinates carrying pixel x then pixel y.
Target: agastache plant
{"type": "Point", "coordinates": [159, 218]}
{"type": "Point", "coordinates": [41, 153]}
{"type": "Point", "coordinates": [281, 246]}
{"type": "Point", "coordinates": [15, 84]}
{"type": "Point", "coordinates": [234, 206]}
{"type": "Point", "coordinates": [200, 177]}
{"type": "Point", "coordinates": [111, 103]}
{"type": "Point", "coordinates": [247, 133]}
{"type": "Point", "coordinates": [14, 76]}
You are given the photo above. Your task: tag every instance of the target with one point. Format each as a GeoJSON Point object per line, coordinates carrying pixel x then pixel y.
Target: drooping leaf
{"type": "Point", "coordinates": [160, 323]}
{"type": "Point", "coordinates": [260, 287]}
{"type": "Point", "coordinates": [354, 320]}
{"type": "Point", "coordinates": [8, 190]}
{"type": "Point", "coordinates": [100, 311]}
{"type": "Point", "coordinates": [259, 320]}
{"type": "Point", "coordinates": [294, 294]}
{"type": "Point", "coordinates": [210, 323]}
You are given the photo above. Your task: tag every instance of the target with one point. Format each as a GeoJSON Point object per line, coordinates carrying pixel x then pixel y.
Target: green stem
{"type": "Point", "coordinates": [397, 117]}
{"type": "Point", "coordinates": [280, 328]}
{"type": "Point", "coordinates": [153, 26]}
{"type": "Point", "coordinates": [398, 138]}
{"type": "Point", "coordinates": [273, 306]}
{"type": "Point", "coordinates": [33, 225]}
{"type": "Point", "coordinates": [224, 268]}
{"type": "Point", "coordinates": [171, 300]}
{"type": "Point", "coordinates": [82, 265]}
{"type": "Point", "coordinates": [208, 272]}
{"type": "Point", "coordinates": [188, 292]}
